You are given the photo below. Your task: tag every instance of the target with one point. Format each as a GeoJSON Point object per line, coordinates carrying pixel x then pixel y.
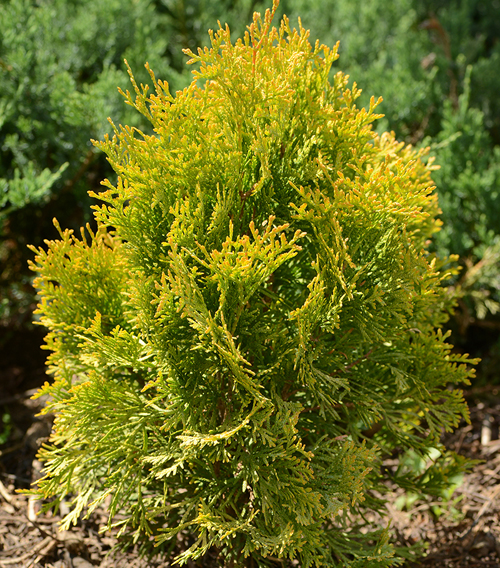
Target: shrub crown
{"type": "Point", "coordinates": [255, 324]}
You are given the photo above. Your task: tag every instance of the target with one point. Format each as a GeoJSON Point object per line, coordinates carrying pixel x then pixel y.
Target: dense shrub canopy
{"type": "Point", "coordinates": [255, 324]}
{"type": "Point", "coordinates": [434, 63]}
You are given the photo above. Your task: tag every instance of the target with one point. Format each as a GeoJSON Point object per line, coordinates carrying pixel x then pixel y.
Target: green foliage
{"type": "Point", "coordinates": [421, 468]}
{"type": "Point", "coordinates": [255, 323]}
{"type": "Point", "coordinates": [382, 48]}
{"type": "Point", "coordinates": [435, 64]}
{"type": "Point", "coordinates": [469, 182]}
{"type": "Point", "coordinates": [60, 64]}
{"type": "Point", "coordinates": [52, 93]}
{"type": "Point", "coordinates": [58, 95]}
{"type": "Point", "coordinates": [189, 20]}
{"type": "Point", "coordinates": [6, 427]}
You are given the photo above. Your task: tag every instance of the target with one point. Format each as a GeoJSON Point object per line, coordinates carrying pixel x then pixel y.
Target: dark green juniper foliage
{"type": "Point", "coordinates": [255, 324]}
{"type": "Point", "coordinates": [60, 64]}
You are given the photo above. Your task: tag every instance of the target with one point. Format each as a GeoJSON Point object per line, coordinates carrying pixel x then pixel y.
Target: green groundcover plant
{"type": "Point", "coordinates": [255, 324]}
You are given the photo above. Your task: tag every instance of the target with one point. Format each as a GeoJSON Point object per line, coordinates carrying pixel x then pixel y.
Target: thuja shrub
{"type": "Point", "coordinates": [255, 324]}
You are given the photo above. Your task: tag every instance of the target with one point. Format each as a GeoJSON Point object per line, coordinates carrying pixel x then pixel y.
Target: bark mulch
{"type": "Point", "coordinates": [467, 534]}
{"type": "Point", "coordinates": [463, 533]}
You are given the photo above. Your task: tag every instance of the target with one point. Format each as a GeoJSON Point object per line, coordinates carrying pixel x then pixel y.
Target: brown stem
{"type": "Point", "coordinates": [434, 24]}
{"type": "Point", "coordinates": [354, 363]}
{"type": "Point", "coordinates": [89, 158]}
{"type": "Point", "coordinates": [486, 324]}
{"type": "Point", "coordinates": [217, 468]}
{"type": "Point", "coordinates": [244, 197]}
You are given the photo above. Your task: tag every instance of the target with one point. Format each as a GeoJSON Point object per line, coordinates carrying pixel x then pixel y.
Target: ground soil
{"type": "Point", "coordinates": [464, 533]}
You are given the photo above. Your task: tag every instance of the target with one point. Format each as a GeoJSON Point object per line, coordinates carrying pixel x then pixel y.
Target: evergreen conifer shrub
{"type": "Point", "coordinates": [255, 325]}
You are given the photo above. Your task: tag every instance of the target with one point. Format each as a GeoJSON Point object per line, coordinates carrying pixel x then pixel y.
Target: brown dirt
{"type": "Point", "coordinates": [466, 533]}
